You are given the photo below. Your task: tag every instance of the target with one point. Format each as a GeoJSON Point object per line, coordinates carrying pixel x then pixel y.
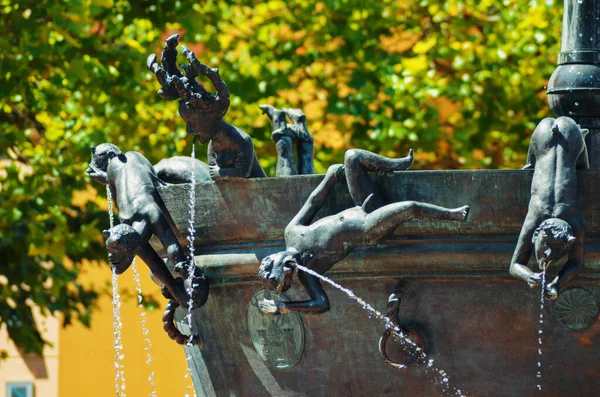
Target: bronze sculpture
{"type": "Point", "coordinates": [320, 245]}
{"type": "Point", "coordinates": [410, 332]}
{"type": "Point", "coordinates": [177, 169]}
{"type": "Point", "coordinates": [230, 150]}
{"type": "Point", "coordinates": [134, 186]}
{"type": "Point", "coordinates": [285, 136]}
{"type": "Point", "coordinates": [553, 222]}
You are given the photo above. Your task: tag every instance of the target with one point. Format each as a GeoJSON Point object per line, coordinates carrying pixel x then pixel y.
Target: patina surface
{"type": "Point", "coordinates": [321, 244]}
{"type": "Point", "coordinates": [553, 224]}
{"type": "Point", "coordinates": [134, 184]}
{"type": "Point", "coordinates": [574, 87]}
{"type": "Point", "coordinates": [286, 136]}
{"type": "Point", "coordinates": [230, 150]}
{"type": "Point", "coordinates": [478, 323]}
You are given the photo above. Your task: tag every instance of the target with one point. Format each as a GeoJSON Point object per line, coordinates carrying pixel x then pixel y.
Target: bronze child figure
{"type": "Point", "coordinates": [133, 184]}
{"type": "Point", "coordinates": [230, 150]}
{"type": "Point", "coordinates": [321, 244]}
{"type": "Point", "coordinates": [553, 222]}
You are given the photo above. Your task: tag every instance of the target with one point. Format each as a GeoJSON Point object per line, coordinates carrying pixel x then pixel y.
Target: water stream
{"type": "Point", "coordinates": [538, 386]}
{"type": "Point", "coordinates": [120, 387]}
{"type": "Point", "coordinates": [441, 376]}
{"type": "Point", "coordinates": [145, 332]}
{"type": "Point", "coordinates": [190, 237]}
{"type": "Point", "coordinates": [191, 265]}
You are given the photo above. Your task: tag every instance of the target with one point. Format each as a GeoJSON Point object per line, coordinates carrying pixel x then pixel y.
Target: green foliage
{"type": "Point", "coordinates": [461, 81]}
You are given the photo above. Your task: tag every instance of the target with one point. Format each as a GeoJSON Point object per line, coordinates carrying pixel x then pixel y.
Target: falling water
{"type": "Point", "coordinates": [190, 238]}
{"type": "Point", "coordinates": [118, 341]}
{"type": "Point", "coordinates": [188, 374]}
{"type": "Point", "coordinates": [403, 339]}
{"type": "Point", "coordinates": [117, 324]}
{"type": "Point", "coordinates": [540, 332]}
{"type": "Point", "coordinates": [191, 265]}
{"type": "Point", "coordinates": [111, 212]}
{"type": "Point", "coordinates": [145, 332]}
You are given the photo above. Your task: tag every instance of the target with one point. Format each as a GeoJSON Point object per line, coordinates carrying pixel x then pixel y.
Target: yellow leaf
{"type": "Point", "coordinates": [103, 3]}
{"type": "Point", "coordinates": [423, 46]}
{"type": "Point", "coordinates": [415, 65]}
{"type": "Point", "coordinates": [399, 41]}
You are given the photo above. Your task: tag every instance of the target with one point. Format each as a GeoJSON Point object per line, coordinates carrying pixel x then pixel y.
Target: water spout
{"type": "Point", "coordinates": [440, 375]}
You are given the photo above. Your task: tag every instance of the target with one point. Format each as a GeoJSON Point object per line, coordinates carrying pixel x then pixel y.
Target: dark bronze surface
{"type": "Point", "coordinates": [319, 245]}
{"type": "Point", "coordinates": [230, 150]}
{"type": "Point", "coordinates": [553, 222]}
{"type": "Point", "coordinates": [574, 87]}
{"type": "Point", "coordinates": [177, 170]}
{"type": "Point", "coordinates": [278, 340]}
{"type": "Point", "coordinates": [409, 341]}
{"type": "Point", "coordinates": [133, 185]}
{"type": "Point", "coordinates": [481, 330]}
{"type": "Point", "coordinates": [285, 136]}
{"type": "Point", "coordinates": [477, 323]}
{"type": "Point", "coordinates": [576, 309]}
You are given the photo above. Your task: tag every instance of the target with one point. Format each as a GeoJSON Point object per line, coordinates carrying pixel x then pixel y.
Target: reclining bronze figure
{"type": "Point", "coordinates": [321, 244]}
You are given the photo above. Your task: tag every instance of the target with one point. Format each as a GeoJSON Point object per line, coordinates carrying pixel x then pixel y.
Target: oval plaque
{"type": "Point", "coordinates": [279, 339]}
{"type": "Point", "coordinates": [576, 309]}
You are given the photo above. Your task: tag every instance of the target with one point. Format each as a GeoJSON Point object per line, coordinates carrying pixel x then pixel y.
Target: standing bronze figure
{"type": "Point", "coordinates": [553, 223]}
{"type": "Point", "coordinates": [321, 244]}
{"type": "Point", "coordinates": [230, 150]}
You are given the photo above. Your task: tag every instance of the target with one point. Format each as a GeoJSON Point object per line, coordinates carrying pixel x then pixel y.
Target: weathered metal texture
{"type": "Point", "coordinates": [245, 219]}
{"type": "Point", "coordinates": [133, 183]}
{"type": "Point", "coordinates": [481, 330]}
{"type": "Point", "coordinates": [553, 227]}
{"type": "Point", "coordinates": [286, 136]}
{"type": "Point", "coordinates": [574, 87]}
{"type": "Point", "coordinates": [479, 324]}
{"type": "Point", "coordinates": [230, 150]}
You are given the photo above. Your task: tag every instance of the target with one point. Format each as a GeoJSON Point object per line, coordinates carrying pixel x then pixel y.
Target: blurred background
{"type": "Point", "coordinates": [462, 82]}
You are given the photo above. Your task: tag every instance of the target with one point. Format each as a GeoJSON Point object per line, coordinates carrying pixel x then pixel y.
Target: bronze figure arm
{"type": "Point", "coordinates": [222, 94]}
{"type": "Point", "coordinates": [315, 201]}
{"type": "Point", "coordinates": [317, 304]}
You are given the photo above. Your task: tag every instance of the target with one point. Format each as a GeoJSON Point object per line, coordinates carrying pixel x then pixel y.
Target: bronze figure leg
{"type": "Point", "coordinates": [382, 222]}
{"type": "Point", "coordinates": [305, 152]}
{"type": "Point", "coordinates": [358, 163]}
{"type": "Point", "coordinates": [286, 164]}
{"type": "Point", "coordinates": [160, 270]}
{"type": "Point", "coordinates": [163, 231]}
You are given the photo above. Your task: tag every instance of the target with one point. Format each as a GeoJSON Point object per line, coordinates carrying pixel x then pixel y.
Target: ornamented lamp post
{"type": "Point", "coordinates": [574, 87]}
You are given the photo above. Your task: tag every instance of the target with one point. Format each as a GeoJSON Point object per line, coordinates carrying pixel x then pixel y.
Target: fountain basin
{"type": "Point", "coordinates": [479, 324]}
